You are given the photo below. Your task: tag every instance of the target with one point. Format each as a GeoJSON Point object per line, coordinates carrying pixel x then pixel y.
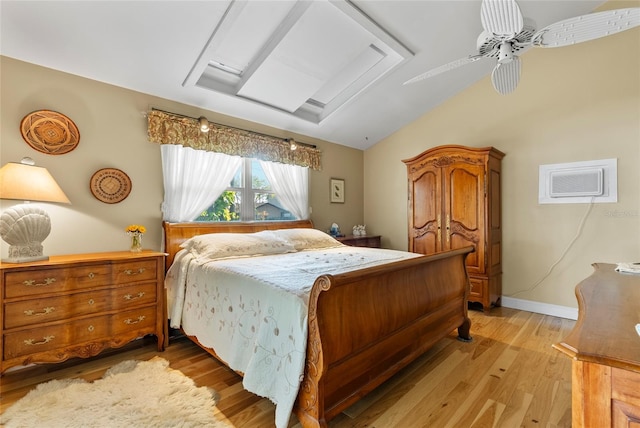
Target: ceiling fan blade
{"type": "Point", "coordinates": [586, 27]}
{"type": "Point", "coordinates": [505, 77]}
{"type": "Point", "coordinates": [501, 18]}
{"type": "Point", "coordinates": [449, 66]}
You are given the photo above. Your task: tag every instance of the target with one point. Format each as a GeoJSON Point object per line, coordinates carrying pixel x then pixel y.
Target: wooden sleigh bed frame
{"type": "Point", "coordinates": [398, 311]}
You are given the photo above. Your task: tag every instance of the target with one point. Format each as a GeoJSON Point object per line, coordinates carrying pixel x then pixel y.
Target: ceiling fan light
{"type": "Point", "coordinates": [505, 55]}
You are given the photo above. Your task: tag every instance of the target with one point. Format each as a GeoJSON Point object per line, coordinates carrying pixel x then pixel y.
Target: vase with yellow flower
{"type": "Point", "coordinates": [135, 231]}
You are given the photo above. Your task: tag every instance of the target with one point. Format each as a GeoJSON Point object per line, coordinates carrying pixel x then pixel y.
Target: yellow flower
{"type": "Point", "coordinates": [135, 229]}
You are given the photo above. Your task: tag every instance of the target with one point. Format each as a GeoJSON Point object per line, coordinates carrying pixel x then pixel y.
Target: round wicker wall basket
{"type": "Point", "coordinates": [49, 132]}
{"type": "Point", "coordinates": [110, 185]}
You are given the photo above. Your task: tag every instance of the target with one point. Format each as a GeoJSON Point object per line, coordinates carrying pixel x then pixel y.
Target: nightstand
{"type": "Point", "coordinates": [79, 305]}
{"type": "Point", "coordinates": [372, 241]}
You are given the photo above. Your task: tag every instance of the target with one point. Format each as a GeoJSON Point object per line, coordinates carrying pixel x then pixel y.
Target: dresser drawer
{"type": "Point", "coordinates": [143, 319]}
{"type": "Point", "coordinates": [123, 298]}
{"type": "Point", "coordinates": [127, 272]}
{"type": "Point", "coordinates": [39, 311]}
{"type": "Point", "coordinates": [48, 338]}
{"type": "Point", "coordinates": [55, 280]}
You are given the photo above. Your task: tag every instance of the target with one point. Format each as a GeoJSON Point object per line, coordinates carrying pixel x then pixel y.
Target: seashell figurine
{"type": "Point", "coordinates": [24, 227]}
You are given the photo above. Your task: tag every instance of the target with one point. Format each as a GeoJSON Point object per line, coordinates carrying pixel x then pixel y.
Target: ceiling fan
{"type": "Point", "coordinates": [506, 32]}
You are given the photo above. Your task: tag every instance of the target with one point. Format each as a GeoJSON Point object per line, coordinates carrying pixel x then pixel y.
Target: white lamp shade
{"type": "Point", "coordinates": [29, 183]}
{"type": "Point", "coordinates": [25, 226]}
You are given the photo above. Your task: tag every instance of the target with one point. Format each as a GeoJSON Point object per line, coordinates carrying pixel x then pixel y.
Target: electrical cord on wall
{"type": "Point", "coordinates": [564, 253]}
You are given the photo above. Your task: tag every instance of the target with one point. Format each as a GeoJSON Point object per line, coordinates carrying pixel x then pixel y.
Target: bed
{"type": "Point", "coordinates": [360, 325]}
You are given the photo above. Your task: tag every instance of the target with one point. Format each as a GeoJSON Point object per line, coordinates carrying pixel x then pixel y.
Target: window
{"type": "Point", "coordinates": [249, 197]}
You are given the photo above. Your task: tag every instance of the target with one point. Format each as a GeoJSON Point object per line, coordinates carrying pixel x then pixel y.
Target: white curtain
{"type": "Point", "coordinates": [193, 180]}
{"type": "Point", "coordinates": [291, 184]}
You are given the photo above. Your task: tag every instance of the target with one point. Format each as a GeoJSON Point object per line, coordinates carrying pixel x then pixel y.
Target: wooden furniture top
{"type": "Point", "coordinates": [372, 241]}
{"type": "Point", "coordinates": [353, 237]}
{"type": "Point", "coordinates": [454, 149]}
{"type": "Point", "coordinates": [609, 309]}
{"type": "Point", "coordinates": [86, 257]}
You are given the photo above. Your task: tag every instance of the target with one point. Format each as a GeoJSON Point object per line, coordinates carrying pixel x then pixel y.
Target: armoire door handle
{"type": "Point", "coordinates": [448, 229]}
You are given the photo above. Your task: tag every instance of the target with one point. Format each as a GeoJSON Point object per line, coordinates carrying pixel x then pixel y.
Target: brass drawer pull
{"type": "Point", "coordinates": [46, 311]}
{"type": "Point", "coordinates": [129, 321]}
{"type": "Point", "coordinates": [140, 295]}
{"type": "Point", "coordinates": [32, 342]}
{"type": "Point", "coordinates": [91, 302]}
{"type": "Point", "coordinates": [91, 275]}
{"type": "Point", "coordinates": [33, 283]}
{"type": "Point", "coordinates": [91, 328]}
{"type": "Point", "coordinates": [132, 272]}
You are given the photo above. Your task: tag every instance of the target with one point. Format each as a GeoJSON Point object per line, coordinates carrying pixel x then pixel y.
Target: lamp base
{"type": "Point", "coordinates": [24, 259]}
{"type": "Point", "coordinates": [24, 227]}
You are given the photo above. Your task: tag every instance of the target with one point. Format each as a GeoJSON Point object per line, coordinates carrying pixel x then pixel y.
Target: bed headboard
{"type": "Point", "coordinates": [176, 233]}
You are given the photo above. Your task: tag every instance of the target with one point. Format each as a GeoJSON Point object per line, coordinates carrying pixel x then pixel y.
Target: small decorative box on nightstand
{"type": "Point", "coordinates": [372, 241]}
{"type": "Point", "coordinates": [79, 305]}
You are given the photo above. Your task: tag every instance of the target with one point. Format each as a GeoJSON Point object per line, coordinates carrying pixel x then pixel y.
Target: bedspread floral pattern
{"type": "Point", "coordinates": [253, 311]}
{"type": "Point", "coordinates": [263, 338]}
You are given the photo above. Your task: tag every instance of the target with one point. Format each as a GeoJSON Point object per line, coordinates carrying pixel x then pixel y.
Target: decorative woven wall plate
{"type": "Point", "coordinates": [50, 132]}
{"type": "Point", "coordinates": [110, 185]}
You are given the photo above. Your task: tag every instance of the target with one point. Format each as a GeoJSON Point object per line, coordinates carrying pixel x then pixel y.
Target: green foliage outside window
{"type": "Point", "coordinates": [223, 209]}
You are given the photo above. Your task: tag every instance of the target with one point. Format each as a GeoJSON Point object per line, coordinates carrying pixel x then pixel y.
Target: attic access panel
{"type": "Point", "coordinates": [305, 58]}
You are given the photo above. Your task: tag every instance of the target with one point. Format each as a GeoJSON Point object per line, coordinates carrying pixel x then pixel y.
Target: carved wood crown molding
{"type": "Point", "coordinates": [447, 160]}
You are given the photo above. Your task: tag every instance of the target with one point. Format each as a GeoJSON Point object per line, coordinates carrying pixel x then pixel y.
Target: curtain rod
{"type": "Point", "coordinates": [288, 140]}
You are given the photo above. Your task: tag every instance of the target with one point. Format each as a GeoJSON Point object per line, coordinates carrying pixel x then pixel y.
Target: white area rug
{"type": "Point", "coordinates": [131, 394]}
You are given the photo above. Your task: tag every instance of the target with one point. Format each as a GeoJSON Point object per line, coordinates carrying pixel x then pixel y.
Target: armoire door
{"type": "Point", "coordinates": [425, 210]}
{"type": "Point", "coordinates": [464, 211]}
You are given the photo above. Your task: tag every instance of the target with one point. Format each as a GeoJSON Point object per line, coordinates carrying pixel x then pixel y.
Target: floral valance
{"type": "Point", "coordinates": [167, 128]}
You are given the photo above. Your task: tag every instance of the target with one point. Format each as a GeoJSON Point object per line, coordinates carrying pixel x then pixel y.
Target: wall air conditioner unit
{"type": "Point", "coordinates": [578, 182]}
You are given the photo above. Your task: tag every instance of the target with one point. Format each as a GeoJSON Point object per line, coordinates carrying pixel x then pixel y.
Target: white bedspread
{"type": "Point", "coordinates": [252, 311]}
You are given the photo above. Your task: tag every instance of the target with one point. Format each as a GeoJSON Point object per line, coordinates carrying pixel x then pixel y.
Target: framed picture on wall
{"type": "Point", "coordinates": [337, 191]}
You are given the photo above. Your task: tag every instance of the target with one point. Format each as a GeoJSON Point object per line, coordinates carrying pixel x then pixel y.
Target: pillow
{"type": "Point", "coordinates": [307, 239]}
{"type": "Point", "coordinates": [216, 246]}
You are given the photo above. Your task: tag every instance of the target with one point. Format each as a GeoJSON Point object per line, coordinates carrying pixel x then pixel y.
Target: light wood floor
{"type": "Point", "coordinates": [509, 376]}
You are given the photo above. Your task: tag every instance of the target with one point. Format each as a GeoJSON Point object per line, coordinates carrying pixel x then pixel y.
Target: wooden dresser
{"type": "Point", "coordinates": [372, 241]}
{"type": "Point", "coordinates": [79, 305]}
{"type": "Point", "coordinates": [454, 201]}
{"type": "Point", "coordinates": [605, 350]}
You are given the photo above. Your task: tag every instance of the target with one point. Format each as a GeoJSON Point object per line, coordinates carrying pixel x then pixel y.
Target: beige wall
{"type": "Point", "coordinates": [573, 104]}
{"type": "Point", "coordinates": [113, 135]}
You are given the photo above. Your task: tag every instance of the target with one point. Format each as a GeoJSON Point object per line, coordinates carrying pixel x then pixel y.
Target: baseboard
{"type": "Point", "coordinates": [541, 308]}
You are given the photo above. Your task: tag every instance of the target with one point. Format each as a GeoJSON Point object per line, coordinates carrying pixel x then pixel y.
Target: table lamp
{"type": "Point", "coordinates": [25, 226]}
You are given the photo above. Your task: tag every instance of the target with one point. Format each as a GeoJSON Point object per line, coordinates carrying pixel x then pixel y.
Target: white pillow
{"type": "Point", "coordinates": [216, 246]}
{"type": "Point", "coordinates": [308, 239]}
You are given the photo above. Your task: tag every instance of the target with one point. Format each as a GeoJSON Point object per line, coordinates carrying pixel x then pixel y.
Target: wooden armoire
{"type": "Point", "coordinates": [454, 202]}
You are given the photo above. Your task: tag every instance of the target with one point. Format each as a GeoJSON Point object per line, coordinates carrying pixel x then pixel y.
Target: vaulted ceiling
{"type": "Point", "coordinates": [329, 70]}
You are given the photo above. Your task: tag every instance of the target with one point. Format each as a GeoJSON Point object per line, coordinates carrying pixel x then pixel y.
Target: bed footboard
{"type": "Point", "coordinates": [366, 325]}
